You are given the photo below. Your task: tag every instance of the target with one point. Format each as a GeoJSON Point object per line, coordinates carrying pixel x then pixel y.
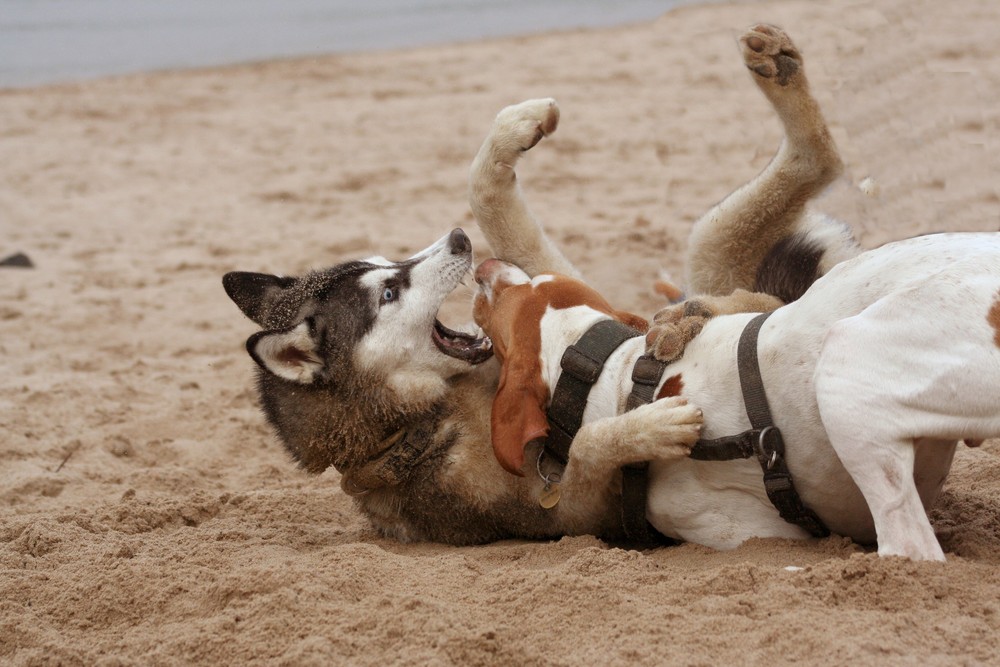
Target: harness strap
{"type": "Point", "coordinates": [768, 443]}
{"type": "Point", "coordinates": [741, 446]}
{"type": "Point", "coordinates": [646, 375]}
{"type": "Point", "coordinates": [763, 442]}
{"type": "Point", "coordinates": [582, 364]}
{"type": "Point", "coordinates": [635, 485]}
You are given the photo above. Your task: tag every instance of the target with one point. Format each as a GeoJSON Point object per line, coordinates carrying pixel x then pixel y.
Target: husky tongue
{"type": "Point", "coordinates": [462, 346]}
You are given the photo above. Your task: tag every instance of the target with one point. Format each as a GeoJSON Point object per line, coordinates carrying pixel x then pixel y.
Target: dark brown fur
{"type": "Point", "coordinates": [789, 268]}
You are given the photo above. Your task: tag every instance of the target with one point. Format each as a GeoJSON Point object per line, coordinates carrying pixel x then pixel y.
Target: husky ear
{"type": "Point", "coordinates": [518, 415]}
{"type": "Point", "coordinates": [640, 324]}
{"type": "Point", "coordinates": [290, 354]}
{"type": "Point", "coordinates": [254, 292]}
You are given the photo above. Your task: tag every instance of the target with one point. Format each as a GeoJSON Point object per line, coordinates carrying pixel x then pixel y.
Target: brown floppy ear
{"type": "Point", "coordinates": [518, 415]}
{"type": "Point", "coordinates": [641, 324]}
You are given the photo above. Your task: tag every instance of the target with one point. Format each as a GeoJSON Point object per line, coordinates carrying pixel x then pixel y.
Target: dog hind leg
{"type": "Point", "coordinates": [897, 380]}
{"type": "Point", "coordinates": [496, 199]}
{"type": "Point", "coordinates": [729, 244]}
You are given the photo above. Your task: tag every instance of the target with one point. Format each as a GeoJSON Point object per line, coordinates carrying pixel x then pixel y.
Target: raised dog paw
{"type": "Point", "coordinates": [520, 126]}
{"type": "Point", "coordinates": [674, 327]}
{"type": "Point", "coordinates": [770, 54]}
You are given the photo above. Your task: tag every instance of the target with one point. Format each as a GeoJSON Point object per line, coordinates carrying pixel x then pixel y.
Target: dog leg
{"type": "Point", "coordinates": [497, 203]}
{"type": "Point", "coordinates": [662, 430]}
{"type": "Point", "coordinates": [883, 470]}
{"type": "Point", "coordinates": [898, 379]}
{"type": "Point", "coordinates": [728, 244]}
{"type": "Point", "coordinates": [866, 425]}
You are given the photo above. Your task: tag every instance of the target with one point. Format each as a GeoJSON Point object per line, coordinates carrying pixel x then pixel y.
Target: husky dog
{"type": "Point", "coordinates": [355, 371]}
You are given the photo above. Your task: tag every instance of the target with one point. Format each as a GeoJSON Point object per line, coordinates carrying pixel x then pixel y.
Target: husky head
{"type": "Point", "coordinates": [350, 354]}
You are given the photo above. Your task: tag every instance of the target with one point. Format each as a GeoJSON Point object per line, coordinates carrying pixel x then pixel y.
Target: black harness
{"type": "Point", "coordinates": [582, 364]}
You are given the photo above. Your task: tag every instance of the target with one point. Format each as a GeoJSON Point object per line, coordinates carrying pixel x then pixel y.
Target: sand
{"type": "Point", "coordinates": [147, 514]}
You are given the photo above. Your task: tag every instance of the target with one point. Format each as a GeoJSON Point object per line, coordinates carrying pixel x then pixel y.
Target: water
{"type": "Point", "coordinates": [48, 41]}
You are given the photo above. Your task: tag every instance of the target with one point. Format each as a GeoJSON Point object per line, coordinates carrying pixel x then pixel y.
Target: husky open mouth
{"type": "Point", "coordinates": [460, 345]}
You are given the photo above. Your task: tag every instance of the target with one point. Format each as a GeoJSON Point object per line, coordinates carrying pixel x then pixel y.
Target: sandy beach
{"type": "Point", "coordinates": [148, 516]}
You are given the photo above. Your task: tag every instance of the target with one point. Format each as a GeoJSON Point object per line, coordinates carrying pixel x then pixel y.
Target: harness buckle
{"type": "Point", "coordinates": [763, 449]}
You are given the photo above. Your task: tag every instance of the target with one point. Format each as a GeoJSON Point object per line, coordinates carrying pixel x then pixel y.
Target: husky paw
{"type": "Point", "coordinates": [681, 413]}
{"type": "Point", "coordinates": [676, 428]}
{"type": "Point", "coordinates": [770, 54]}
{"type": "Point", "coordinates": [674, 327]}
{"type": "Point", "coordinates": [520, 126]}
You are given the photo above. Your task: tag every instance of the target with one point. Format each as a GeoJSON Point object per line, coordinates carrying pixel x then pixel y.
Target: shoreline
{"type": "Point", "coordinates": [151, 37]}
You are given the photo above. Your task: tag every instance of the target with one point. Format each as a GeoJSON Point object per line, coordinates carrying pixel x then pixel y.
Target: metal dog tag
{"type": "Point", "coordinates": [550, 496]}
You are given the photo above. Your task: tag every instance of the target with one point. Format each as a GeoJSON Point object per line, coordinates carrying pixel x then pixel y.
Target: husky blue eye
{"type": "Point", "coordinates": [388, 294]}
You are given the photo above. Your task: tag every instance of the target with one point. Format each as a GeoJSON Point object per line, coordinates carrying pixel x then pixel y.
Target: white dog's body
{"type": "Point", "coordinates": [893, 355]}
{"type": "Point", "coordinates": [875, 374]}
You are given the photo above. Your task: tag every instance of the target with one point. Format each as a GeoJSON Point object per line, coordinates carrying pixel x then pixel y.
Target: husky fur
{"type": "Point", "coordinates": [355, 372]}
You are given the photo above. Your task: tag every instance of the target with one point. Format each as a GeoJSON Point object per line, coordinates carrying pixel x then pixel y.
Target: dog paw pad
{"type": "Point", "coordinates": [525, 124]}
{"type": "Point", "coordinates": [770, 53]}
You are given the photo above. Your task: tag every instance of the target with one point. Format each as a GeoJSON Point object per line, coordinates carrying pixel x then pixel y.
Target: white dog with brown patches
{"type": "Point", "coordinates": [887, 361]}
{"type": "Point", "coordinates": [874, 375]}
{"type": "Point", "coordinates": [531, 322]}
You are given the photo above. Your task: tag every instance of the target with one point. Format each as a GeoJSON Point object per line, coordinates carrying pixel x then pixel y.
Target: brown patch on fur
{"type": "Point", "coordinates": [514, 317]}
{"type": "Point", "coordinates": [993, 317]}
{"type": "Point", "coordinates": [673, 386]}
{"type": "Point", "coordinates": [564, 292]}
{"type": "Point", "coordinates": [513, 323]}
